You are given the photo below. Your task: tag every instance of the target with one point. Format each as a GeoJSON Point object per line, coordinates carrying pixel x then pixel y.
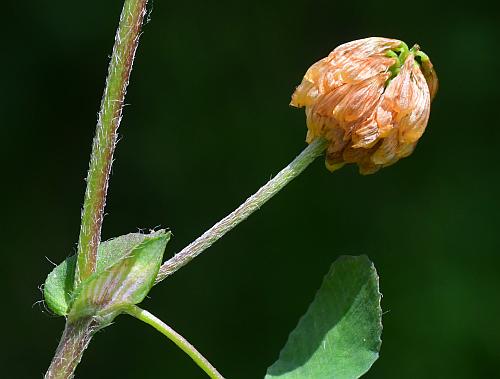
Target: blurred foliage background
{"type": "Point", "coordinates": [208, 123]}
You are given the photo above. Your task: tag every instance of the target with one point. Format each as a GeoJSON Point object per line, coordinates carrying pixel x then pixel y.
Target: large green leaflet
{"type": "Point", "coordinates": [126, 269]}
{"type": "Point", "coordinates": [339, 336]}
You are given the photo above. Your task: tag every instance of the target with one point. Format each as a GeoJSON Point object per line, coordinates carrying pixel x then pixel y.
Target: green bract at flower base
{"type": "Point", "coordinates": [126, 269]}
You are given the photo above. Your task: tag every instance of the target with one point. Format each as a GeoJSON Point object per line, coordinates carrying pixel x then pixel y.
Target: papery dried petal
{"type": "Point", "coordinates": [386, 152]}
{"type": "Point", "coordinates": [353, 155]}
{"type": "Point", "coordinates": [352, 61]}
{"type": "Point", "coordinates": [338, 141]}
{"type": "Point", "coordinates": [361, 99]}
{"type": "Point", "coordinates": [429, 73]}
{"type": "Point", "coordinates": [304, 94]}
{"type": "Point", "coordinates": [400, 91]}
{"type": "Point", "coordinates": [405, 149]}
{"type": "Point", "coordinates": [364, 68]}
{"type": "Point", "coordinates": [367, 167]}
{"type": "Point", "coordinates": [326, 104]}
{"type": "Point", "coordinates": [384, 117]}
{"type": "Point", "coordinates": [366, 134]}
{"type": "Point", "coordinates": [311, 87]}
{"type": "Point", "coordinates": [370, 99]}
{"type": "Point", "coordinates": [333, 166]}
{"type": "Point", "coordinates": [412, 126]}
{"type": "Point", "coordinates": [363, 48]}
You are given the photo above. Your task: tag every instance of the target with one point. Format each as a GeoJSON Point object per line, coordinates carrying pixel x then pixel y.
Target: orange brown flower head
{"type": "Point", "coordinates": [370, 99]}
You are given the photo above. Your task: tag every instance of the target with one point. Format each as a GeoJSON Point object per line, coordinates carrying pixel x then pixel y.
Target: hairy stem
{"type": "Point", "coordinates": [74, 341]}
{"type": "Point", "coordinates": [252, 204]}
{"type": "Point", "coordinates": [126, 40]}
{"type": "Point", "coordinates": [176, 338]}
{"type": "Point", "coordinates": [78, 333]}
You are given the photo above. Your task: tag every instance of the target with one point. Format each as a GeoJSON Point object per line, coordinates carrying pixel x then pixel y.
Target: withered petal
{"type": "Point", "coordinates": [366, 134]}
{"type": "Point", "coordinates": [353, 155]}
{"type": "Point", "coordinates": [412, 125]}
{"type": "Point", "coordinates": [361, 99]}
{"type": "Point", "coordinates": [370, 105]}
{"type": "Point", "coordinates": [362, 48]}
{"type": "Point", "coordinates": [359, 69]}
{"type": "Point", "coordinates": [405, 149]}
{"type": "Point", "coordinates": [386, 152]}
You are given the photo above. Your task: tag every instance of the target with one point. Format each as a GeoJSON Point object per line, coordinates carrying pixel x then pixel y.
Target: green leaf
{"type": "Point", "coordinates": [58, 288]}
{"type": "Point", "coordinates": [127, 281]}
{"type": "Point", "coordinates": [339, 336]}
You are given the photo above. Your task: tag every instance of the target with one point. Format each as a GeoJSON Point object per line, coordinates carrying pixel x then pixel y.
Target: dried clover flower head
{"type": "Point", "coordinates": [370, 99]}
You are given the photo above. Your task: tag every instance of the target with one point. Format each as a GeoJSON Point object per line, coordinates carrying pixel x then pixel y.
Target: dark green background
{"type": "Point", "coordinates": [208, 123]}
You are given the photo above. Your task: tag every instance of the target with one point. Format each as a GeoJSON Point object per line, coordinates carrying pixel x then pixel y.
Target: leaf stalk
{"type": "Point", "coordinates": [176, 338]}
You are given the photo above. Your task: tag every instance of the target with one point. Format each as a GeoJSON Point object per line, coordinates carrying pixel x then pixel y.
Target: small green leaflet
{"type": "Point", "coordinates": [58, 286]}
{"type": "Point", "coordinates": [126, 269]}
{"type": "Point", "coordinates": [339, 336]}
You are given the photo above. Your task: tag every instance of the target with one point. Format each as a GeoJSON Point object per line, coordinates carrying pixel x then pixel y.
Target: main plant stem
{"type": "Point", "coordinates": [126, 41]}
{"type": "Point", "coordinates": [74, 341]}
{"type": "Point", "coordinates": [78, 334]}
{"type": "Point", "coordinates": [176, 338]}
{"type": "Point", "coordinates": [254, 202]}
